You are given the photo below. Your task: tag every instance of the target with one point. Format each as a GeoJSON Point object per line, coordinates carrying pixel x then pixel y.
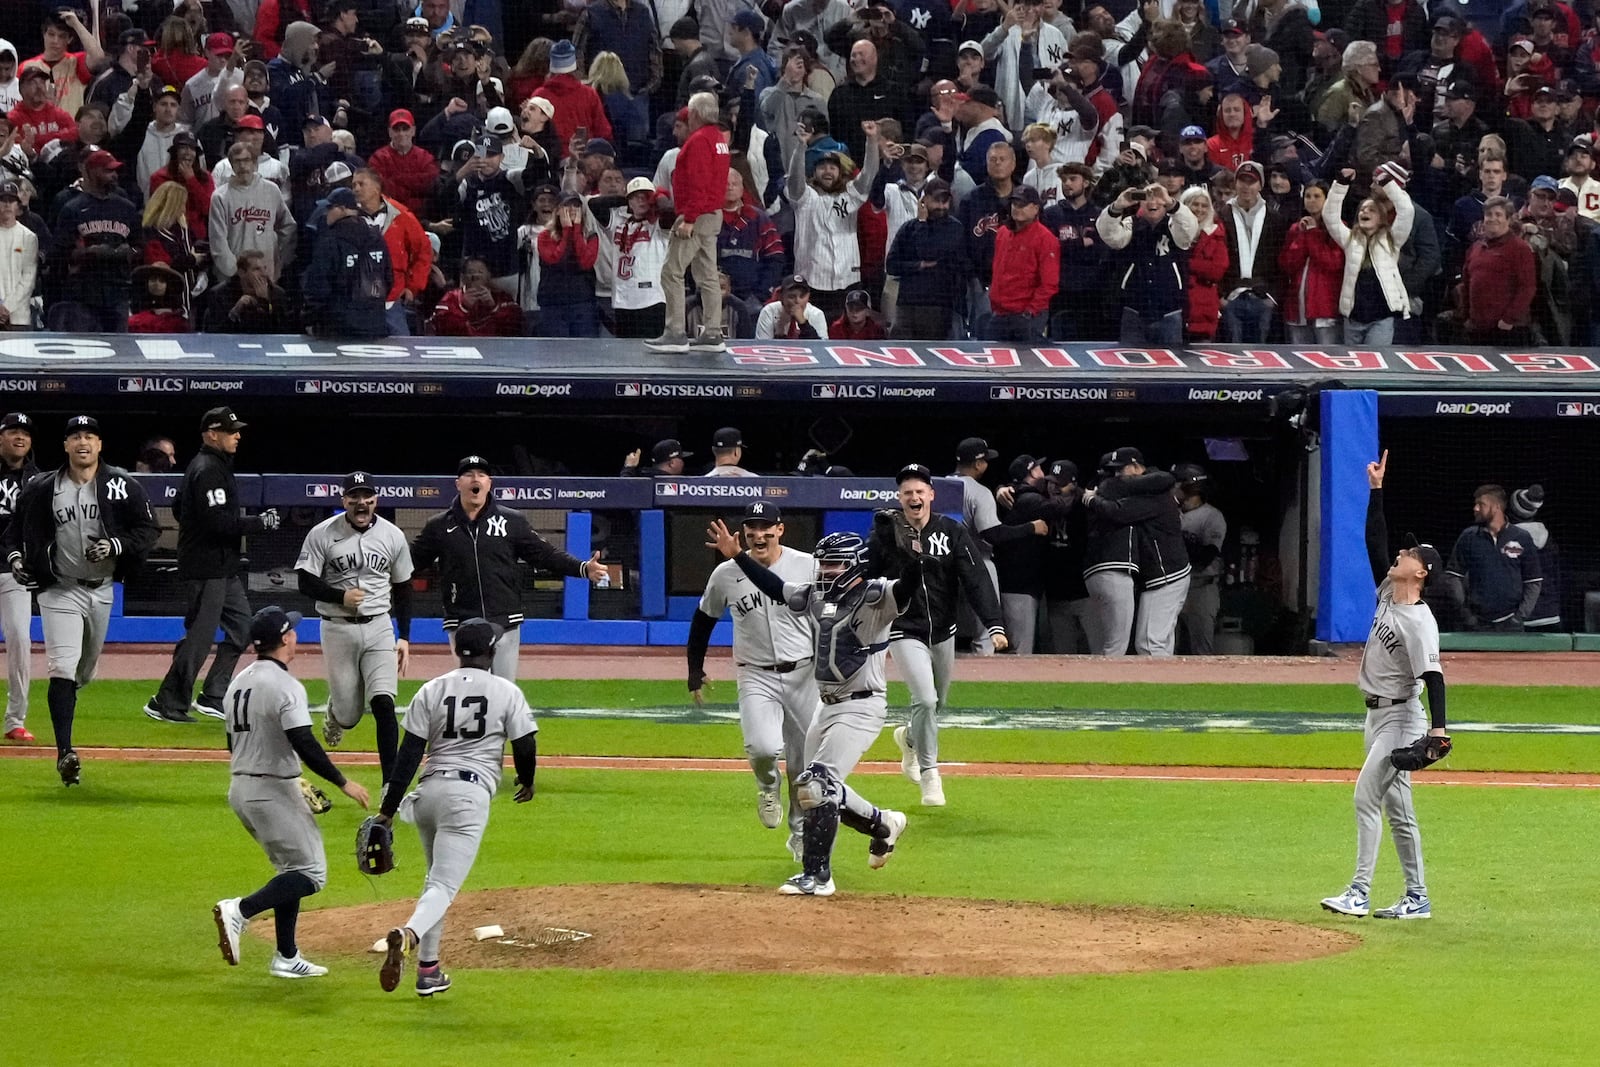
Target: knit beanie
{"type": "Point", "coordinates": [1525, 503]}
{"type": "Point", "coordinates": [1258, 58]}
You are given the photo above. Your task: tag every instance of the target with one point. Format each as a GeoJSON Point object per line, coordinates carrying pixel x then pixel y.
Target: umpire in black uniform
{"type": "Point", "coordinates": [476, 545]}
{"type": "Point", "coordinates": [211, 525]}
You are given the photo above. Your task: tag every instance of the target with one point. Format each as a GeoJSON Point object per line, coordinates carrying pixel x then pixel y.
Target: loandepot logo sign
{"type": "Point", "coordinates": [1446, 407]}
{"type": "Point", "coordinates": [1226, 396]}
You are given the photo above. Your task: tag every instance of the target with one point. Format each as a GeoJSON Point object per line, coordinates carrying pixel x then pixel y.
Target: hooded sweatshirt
{"type": "Point", "coordinates": [291, 89]}
{"type": "Point", "coordinates": [1228, 150]}
{"type": "Point", "coordinates": [251, 218]}
{"type": "Point", "coordinates": [10, 91]}
{"type": "Point", "coordinates": [153, 154]}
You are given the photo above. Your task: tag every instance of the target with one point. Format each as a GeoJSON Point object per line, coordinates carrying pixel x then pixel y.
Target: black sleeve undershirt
{"type": "Point", "coordinates": [763, 579]}
{"type": "Point", "coordinates": [400, 596]}
{"type": "Point", "coordinates": [700, 627]}
{"type": "Point", "coordinates": [525, 756]}
{"type": "Point", "coordinates": [1434, 682]}
{"type": "Point", "coordinates": [317, 589]}
{"type": "Point", "coordinates": [311, 754]}
{"type": "Point", "coordinates": [406, 761]}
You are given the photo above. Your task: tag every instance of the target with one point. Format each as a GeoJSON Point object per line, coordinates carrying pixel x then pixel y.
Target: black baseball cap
{"type": "Point", "coordinates": [762, 513]}
{"type": "Point", "coordinates": [796, 283]}
{"type": "Point", "coordinates": [984, 96]}
{"type": "Point", "coordinates": [16, 420]}
{"type": "Point", "coordinates": [221, 419]}
{"type": "Point", "coordinates": [1026, 194]}
{"type": "Point", "coordinates": [1458, 90]}
{"type": "Point", "coordinates": [914, 470]}
{"type": "Point", "coordinates": [82, 424]}
{"type": "Point", "coordinates": [268, 626]}
{"type": "Point", "coordinates": [1023, 465]}
{"type": "Point", "coordinates": [359, 482]}
{"type": "Point", "coordinates": [1427, 554]}
{"type": "Point", "coordinates": [10, 191]}
{"type": "Point", "coordinates": [1234, 28]}
{"type": "Point", "coordinates": [972, 448]}
{"type": "Point", "coordinates": [1113, 462]}
{"type": "Point", "coordinates": [476, 637]}
{"type": "Point", "coordinates": [668, 449]}
{"type": "Point", "coordinates": [1062, 471]}
{"type": "Point", "coordinates": [472, 463]}
{"type": "Point", "coordinates": [727, 437]}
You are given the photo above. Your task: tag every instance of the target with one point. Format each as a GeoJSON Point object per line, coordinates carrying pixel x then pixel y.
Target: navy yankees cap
{"type": "Point", "coordinates": [82, 424]}
{"type": "Point", "coordinates": [472, 463]}
{"type": "Point", "coordinates": [1427, 554]}
{"type": "Point", "coordinates": [668, 449]}
{"type": "Point", "coordinates": [972, 448]}
{"type": "Point", "coordinates": [1023, 466]}
{"type": "Point", "coordinates": [268, 626]}
{"type": "Point", "coordinates": [914, 470]}
{"type": "Point", "coordinates": [727, 437]}
{"type": "Point", "coordinates": [476, 637]}
{"type": "Point", "coordinates": [1062, 471]}
{"type": "Point", "coordinates": [762, 513]}
{"type": "Point", "coordinates": [16, 420]}
{"type": "Point", "coordinates": [359, 482]}
{"type": "Point", "coordinates": [221, 419]}
{"type": "Point", "coordinates": [1113, 462]}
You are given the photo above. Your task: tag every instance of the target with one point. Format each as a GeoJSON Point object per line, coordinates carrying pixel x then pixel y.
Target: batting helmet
{"type": "Point", "coordinates": [845, 551]}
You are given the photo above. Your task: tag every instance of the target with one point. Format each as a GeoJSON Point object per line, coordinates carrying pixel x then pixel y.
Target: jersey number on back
{"type": "Point", "coordinates": [241, 711]}
{"type": "Point", "coordinates": [476, 717]}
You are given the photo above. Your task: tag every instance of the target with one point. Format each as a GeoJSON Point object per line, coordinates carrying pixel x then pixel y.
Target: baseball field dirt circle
{"type": "Point", "coordinates": [750, 929]}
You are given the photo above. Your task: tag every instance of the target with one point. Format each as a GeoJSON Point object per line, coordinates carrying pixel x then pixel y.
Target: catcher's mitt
{"type": "Point", "coordinates": [316, 799]}
{"type": "Point", "coordinates": [374, 847]}
{"type": "Point", "coordinates": [1424, 752]}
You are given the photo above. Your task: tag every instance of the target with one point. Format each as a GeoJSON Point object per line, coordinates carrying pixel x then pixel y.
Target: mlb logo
{"type": "Point", "coordinates": [628, 389]}
{"type": "Point", "coordinates": [314, 490]}
{"type": "Point", "coordinates": [1571, 407]}
{"type": "Point", "coordinates": [1002, 392]}
{"type": "Point", "coordinates": [307, 386]}
{"type": "Point", "coordinates": [130, 385]}
{"type": "Point", "coordinates": [824, 392]}
{"type": "Point", "coordinates": [666, 488]}
{"type": "Point", "coordinates": [503, 494]}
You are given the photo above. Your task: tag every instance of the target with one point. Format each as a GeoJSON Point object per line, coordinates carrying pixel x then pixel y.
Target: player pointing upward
{"type": "Point", "coordinates": [1402, 648]}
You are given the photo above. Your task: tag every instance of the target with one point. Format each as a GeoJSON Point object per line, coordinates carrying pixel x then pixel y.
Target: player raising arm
{"type": "Point", "coordinates": [1400, 660]}
{"type": "Point", "coordinates": [269, 733]}
{"type": "Point", "coordinates": [461, 721]}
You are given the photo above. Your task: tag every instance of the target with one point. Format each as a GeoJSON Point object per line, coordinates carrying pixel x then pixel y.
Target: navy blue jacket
{"type": "Point", "coordinates": [941, 242]}
{"type": "Point", "coordinates": [1082, 265]}
{"type": "Point", "coordinates": [982, 215]}
{"type": "Point", "coordinates": [331, 307]}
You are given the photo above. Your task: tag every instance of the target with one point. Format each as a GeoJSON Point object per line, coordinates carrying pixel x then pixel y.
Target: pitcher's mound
{"type": "Point", "coordinates": [744, 929]}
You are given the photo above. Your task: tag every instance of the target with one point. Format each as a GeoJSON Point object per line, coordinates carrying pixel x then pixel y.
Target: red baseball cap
{"type": "Point", "coordinates": [101, 158]}
{"type": "Point", "coordinates": [251, 122]}
{"type": "Point", "coordinates": [401, 117]}
{"type": "Point", "coordinates": [220, 43]}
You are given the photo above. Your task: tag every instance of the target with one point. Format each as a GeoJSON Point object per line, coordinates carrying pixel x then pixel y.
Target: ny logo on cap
{"type": "Point", "coordinates": [476, 459]}
{"type": "Point", "coordinates": [360, 478]}
{"type": "Point", "coordinates": [758, 509]}
{"type": "Point", "coordinates": [81, 420]}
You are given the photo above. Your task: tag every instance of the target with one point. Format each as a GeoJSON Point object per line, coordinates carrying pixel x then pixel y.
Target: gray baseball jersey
{"type": "Point", "coordinates": [77, 511]}
{"type": "Point", "coordinates": [852, 634]}
{"type": "Point", "coordinates": [263, 702]}
{"type": "Point", "coordinates": [764, 632]}
{"type": "Point", "coordinates": [1402, 645]}
{"type": "Point", "coordinates": [979, 513]}
{"type": "Point", "coordinates": [1206, 525]}
{"type": "Point", "coordinates": [346, 558]}
{"type": "Point", "coordinates": [467, 716]}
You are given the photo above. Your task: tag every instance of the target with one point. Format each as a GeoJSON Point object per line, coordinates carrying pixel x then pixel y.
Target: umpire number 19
{"type": "Point", "coordinates": [477, 718]}
{"type": "Point", "coordinates": [241, 711]}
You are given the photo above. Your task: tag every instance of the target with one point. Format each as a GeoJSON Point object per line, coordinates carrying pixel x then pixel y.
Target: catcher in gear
{"type": "Point", "coordinates": [1401, 659]}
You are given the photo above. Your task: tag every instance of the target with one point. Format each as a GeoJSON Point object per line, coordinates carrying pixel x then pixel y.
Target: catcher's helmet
{"type": "Point", "coordinates": [841, 562]}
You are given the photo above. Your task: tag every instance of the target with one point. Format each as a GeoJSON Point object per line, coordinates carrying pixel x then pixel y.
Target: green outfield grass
{"type": "Point", "coordinates": [109, 715]}
{"type": "Point", "coordinates": [113, 960]}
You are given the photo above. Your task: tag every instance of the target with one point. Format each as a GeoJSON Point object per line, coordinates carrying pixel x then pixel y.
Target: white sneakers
{"type": "Point", "coordinates": [932, 789]}
{"type": "Point", "coordinates": [879, 851]}
{"type": "Point", "coordinates": [299, 967]}
{"type": "Point", "coordinates": [230, 924]}
{"type": "Point", "coordinates": [908, 756]}
{"type": "Point", "coordinates": [768, 808]}
{"type": "Point", "coordinates": [805, 885]}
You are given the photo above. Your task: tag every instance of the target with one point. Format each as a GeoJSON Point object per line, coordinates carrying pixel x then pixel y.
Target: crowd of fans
{"type": "Point", "coordinates": [1354, 171]}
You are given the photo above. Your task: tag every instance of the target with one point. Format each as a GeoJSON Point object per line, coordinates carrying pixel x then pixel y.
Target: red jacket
{"type": "Point", "coordinates": [552, 249]}
{"type": "Point", "coordinates": [576, 105]}
{"type": "Point", "coordinates": [453, 318]}
{"type": "Point", "coordinates": [409, 251]}
{"type": "Point", "coordinates": [1314, 264]}
{"type": "Point", "coordinates": [700, 179]}
{"type": "Point", "coordinates": [408, 178]}
{"type": "Point", "coordinates": [1498, 283]}
{"type": "Point", "coordinates": [870, 330]}
{"type": "Point", "coordinates": [201, 189]}
{"type": "Point", "coordinates": [158, 320]}
{"type": "Point", "coordinates": [1208, 262]}
{"type": "Point", "coordinates": [1027, 270]}
{"type": "Point", "coordinates": [50, 122]}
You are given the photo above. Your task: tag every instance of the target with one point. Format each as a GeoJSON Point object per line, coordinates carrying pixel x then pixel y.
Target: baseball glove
{"type": "Point", "coordinates": [1420, 754]}
{"type": "Point", "coordinates": [374, 847]}
{"type": "Point", "coordinates": [316, 799]}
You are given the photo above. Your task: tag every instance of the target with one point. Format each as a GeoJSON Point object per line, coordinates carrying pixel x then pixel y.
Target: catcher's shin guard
{"type": "Point", "coordinates": [817, 786]}
{"type": "Point", "coordinates": [820, 828]}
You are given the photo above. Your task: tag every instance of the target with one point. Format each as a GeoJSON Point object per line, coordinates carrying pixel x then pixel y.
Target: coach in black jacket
{"type": "Point", "coordinates": [211, 527]}
{"type": "Point", "coordinates": [477, 544]}
{"type": "Point", "coordinates": [1133, 519]}
{"type": "Point", "coordinates": [923, 637]}
{"type": "Point", "coordinates": [1023, 563]}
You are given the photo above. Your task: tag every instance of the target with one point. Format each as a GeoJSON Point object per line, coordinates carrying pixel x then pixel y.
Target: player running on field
{"type": "Point", "coordinates": [773, 648]}
{"type": "Point", "coordinates": [354, 566]}
{"type": "Point", "coordinates": [462, 721]}
{"type": "Point", "coordinates": [1402, 648]}
{"type": "Point", "coordinates": [269, 733]}
{"type": "Point", "coordinates": [853, 614]}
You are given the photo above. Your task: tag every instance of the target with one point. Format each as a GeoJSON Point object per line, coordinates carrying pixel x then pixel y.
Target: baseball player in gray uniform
{"type": "Point", "coordinates": [75, 531]}
{"type": "Point", "coordinates": [16, 603]}
{"type": "Point", "coordinates": [852, 613]}
{"type": "Point", "coordinates": [1204, 531]}
{"type": "Point", "coordinates": [354, 566]}
{"type": "Point", "coordinates": [461, 721]}
{"type": "Point", "coordinates": [1400, 660]}
{"type": "Point", "coordinates": [772, 647]}
{"type": "Point", "coordinates": [269, 733]}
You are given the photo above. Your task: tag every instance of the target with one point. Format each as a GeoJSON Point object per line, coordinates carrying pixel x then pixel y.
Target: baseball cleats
{"type": "Point", "coordinates": [768, 808]}
{"type": "Point", "coordinates": [69, 767]}
{"type": "Point", "coordinates": [299, 967]}
{"type": "Point", "coordinates": [1351, 902]}
{"type": "Point", "coordinates": [160, 714]}
{"type": "Point", "coordinates": [332, 732]}
{"type": "Point", "coordinates": [399, 942]}
{"type": "Point", "coordinates": [429, 984]}
{"type": "Point", "coordinates": [879, 851]}
{"type": "Point", "coordinates": [669, 342]}
{"type": "Point", "coordinates": [708, 340]}
{"type": "Point", "coordinates": [230, 926]}
{"type": "Point", "coordinates": [932, 789]}
{"type": "Point", "coordinates": [1410, 906]}
{"type": "Point", "coordinates": [807, 885]}
{"type": "Point", "coordinates": [908, 756]}
{"type": "Point", "coordinates": [20, 736]}
{"type": "Point", "coordinates": [203, 706]}
{"type": "Point", "coordinates": [797, 846]}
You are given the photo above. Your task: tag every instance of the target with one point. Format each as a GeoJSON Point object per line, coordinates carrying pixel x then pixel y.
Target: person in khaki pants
{"type": "Point", "coordinates": [699, 184]}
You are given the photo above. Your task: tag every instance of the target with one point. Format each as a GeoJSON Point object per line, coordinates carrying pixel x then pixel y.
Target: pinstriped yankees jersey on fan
{"type": "Point", "coordinates": [467, 716]}
{"type": "Point", "coordinates": [1402, 646]}
{"type": "Point", "coordinates": [346, 558]}
{"type": "Point", "coordinates": [764, 632]}
{"type": "Point", "coordinates": [262, 704]}
{"type": "Point", "coordinates": [827, 250]}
